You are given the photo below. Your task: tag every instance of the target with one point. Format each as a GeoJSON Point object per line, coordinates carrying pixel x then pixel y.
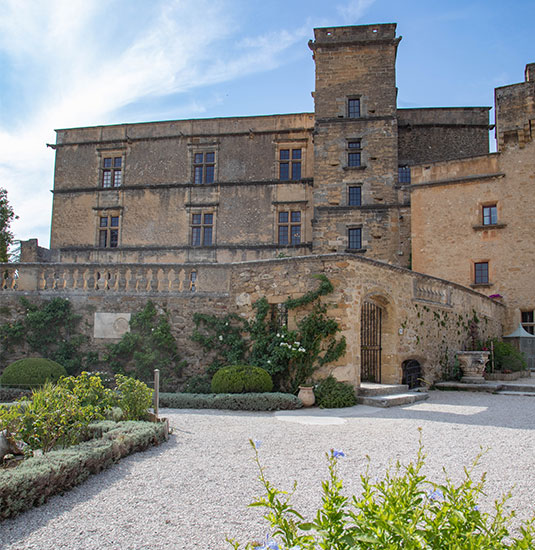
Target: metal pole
{"type": "Point", "coordinates": [156, 402]}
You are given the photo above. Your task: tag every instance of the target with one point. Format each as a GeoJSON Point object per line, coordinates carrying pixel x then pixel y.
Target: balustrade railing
{"type": "Point", "coordinates": [103, 278]}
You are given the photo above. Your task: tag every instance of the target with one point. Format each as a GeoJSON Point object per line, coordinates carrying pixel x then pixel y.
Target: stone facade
{"type": "Point", "coordinates": [479, 211]}
{"type": "Point", "coordinates": [210, 215]}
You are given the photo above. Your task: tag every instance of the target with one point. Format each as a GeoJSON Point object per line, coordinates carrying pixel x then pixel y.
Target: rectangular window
{"type": "Point", "coordinates": [202, 227]}
{"type": "Point", "coordinates": [490, 215]}
{"type": "Point", "coordinates": [353, 108]}
{"type": "Point", "coordinates": [204, 167]}
{"type": "Point", "coordinates": [112, 175]}
{"type": "Point", "coordinates": [404, 174]}
{"type": "Point", "coordinates": [108, 236]}
{"type": "Point", "coordinates": [289, 227]}
{"type": "Point", "coordinates": [354, 238]}
{"type": "Point", "coordinates": [481, 273]}
{"type": "Point", "coordinates": [193, 281]}
{"type": "Point", "coordinates": [528, 321]}
{"type": "Point", "coordinates": [353, 155]}
{"type": "Point", "coordinates": [290, 164]}
{"type": "Point", "coordinates": [354, 196]}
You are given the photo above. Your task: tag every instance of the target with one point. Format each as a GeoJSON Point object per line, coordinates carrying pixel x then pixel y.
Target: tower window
{"type": "Point", "coordinates": [202, 229]}
{"type": "Point", "coordinates": [353, 108]}
{"type": "Point", "coordinates": [490, 215]}
{"type": "Point", "coordinates": [289, 227]}
{"type": "Point", "coordinates": [354, 238]}
{"type": "Point", "coordinates": [112, 174]}
{"type": "Point", "coordinates": [354, 195]}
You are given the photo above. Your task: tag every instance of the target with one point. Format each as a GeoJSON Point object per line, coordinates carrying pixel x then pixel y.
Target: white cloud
{"type": "Point", "coordinates": [84, 76]}
{"type": "Point", "coordinates": [354, 10]}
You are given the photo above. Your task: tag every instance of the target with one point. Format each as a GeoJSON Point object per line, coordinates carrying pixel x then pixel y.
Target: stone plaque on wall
{"type": "Point", "coordinates": [111, 325]}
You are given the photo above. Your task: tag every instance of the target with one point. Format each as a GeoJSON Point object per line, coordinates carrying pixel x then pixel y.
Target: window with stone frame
{"type": "Point", "coordinates": [112, 171]}
{"type": "Point", "coordinates": [490, 214]}
{"type": "Point", "coordinates": [193, 281]}
{"type": "Point", "coordinates": [289, 227]}
{"type": "Point", "coordinates": [202, 229]}
{"type": "Point", "coordinates": [204, 167]}
{"type": "Point", "coordinates": [354, 153]}
{"type": "Point", "coordinates": [354, 238]}
{"type": "Point", "coordinates": [353, 107]}
{"type": "Point", "coordinates": [528, 321]}
{"type": "Point", "coordinates": [290, 164]}
{"type": "Point", "coordinates": [108, 232]}
{"type": "Point", "coordinates": [354, 195]}
{"type": "Point", "coordinates": [481, 273]}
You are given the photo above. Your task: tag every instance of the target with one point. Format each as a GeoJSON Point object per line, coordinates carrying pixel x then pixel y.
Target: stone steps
{"type": "Point", "coordinates": [391, 400]}
{"type": "Point", "coordinates": [387, 395]}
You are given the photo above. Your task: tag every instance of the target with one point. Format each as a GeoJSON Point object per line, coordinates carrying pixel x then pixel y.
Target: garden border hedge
{"type": "Point", "coordinates": [272, 401]}
{"type": "Point", "coordinates": [33, 481]}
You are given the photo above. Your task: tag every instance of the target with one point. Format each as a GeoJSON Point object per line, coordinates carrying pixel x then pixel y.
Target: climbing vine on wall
{"type": "Point", "coordinates": [49, 329]}
{"type": "Point", "coordinates": [290, 356]}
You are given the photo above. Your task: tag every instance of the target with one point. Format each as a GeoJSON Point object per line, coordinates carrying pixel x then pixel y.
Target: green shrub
{"type": "Point", "coordinates": [231, 401]}
{"type": "Point", "coordinates": [33, 481]}
{"type": "Point", "coordinates": [332, 394]}
{"type": "Point", "coordinates": [31, 372]}
{"type": "Point", "coordinates": [241, 379]}
{"type": "Point", "coordinates": [90, 391]}
{"type": "Point", "coordinates": [53, 417]}
{"type": "Point", "coordinates": [403, 510]}
{"type": "Point", "coordinates": [507, 357]}
{"type": "Point", "coordinates": [135, 397]}
{"type": "Point", "coordinates": [198, 384]}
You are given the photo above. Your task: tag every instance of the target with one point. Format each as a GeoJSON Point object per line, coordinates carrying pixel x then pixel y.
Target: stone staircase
{"type": "Point", "coordinates": [388, 395]}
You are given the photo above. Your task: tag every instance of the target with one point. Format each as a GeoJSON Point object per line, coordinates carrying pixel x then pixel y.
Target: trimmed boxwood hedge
{"type": "Point", "coordinates": [241, 379]}
{"type": "Point", "coordinates": [31, 372]}
{"type": "Point", "coordinates": [33, 481]}
{"type": "Point", "coordinates": [231, 401]}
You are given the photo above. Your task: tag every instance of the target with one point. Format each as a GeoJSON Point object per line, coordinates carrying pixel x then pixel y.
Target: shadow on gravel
{"type": "Point", "coordinates": [15, 529]}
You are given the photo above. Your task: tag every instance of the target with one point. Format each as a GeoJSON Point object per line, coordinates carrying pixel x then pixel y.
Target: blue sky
{"type": "Point", "coordinates": [70, 63]}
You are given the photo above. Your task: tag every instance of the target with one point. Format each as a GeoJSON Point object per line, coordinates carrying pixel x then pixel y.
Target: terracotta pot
{"type": "Point", "coordinates": [306, 394]}
{"type": "Point", "coordinates": [472, 365]}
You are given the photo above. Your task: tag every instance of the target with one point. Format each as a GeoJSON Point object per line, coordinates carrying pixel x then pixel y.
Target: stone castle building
{"type": "Point", "coordinates": [211, 214]}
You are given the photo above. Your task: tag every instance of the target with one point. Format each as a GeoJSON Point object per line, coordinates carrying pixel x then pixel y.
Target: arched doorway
{"type": "Point", "coordinates": [370, 342]}
{"type": "Point", "coordinates": [412, 373]}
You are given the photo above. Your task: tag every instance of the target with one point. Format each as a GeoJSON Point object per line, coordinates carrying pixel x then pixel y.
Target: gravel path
{"type": "Point", "coordinates": [193, 491]}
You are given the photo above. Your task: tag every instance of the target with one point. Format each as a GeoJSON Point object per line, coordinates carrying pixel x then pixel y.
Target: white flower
{"type": "Point", "coordinates": [278, 335]}
{"type": "Point", "coordinates": [269, 361]}
{"type": "Point", "coordinates": [220, 338]}
{"type": "Point", "coordinates": [302, 349]}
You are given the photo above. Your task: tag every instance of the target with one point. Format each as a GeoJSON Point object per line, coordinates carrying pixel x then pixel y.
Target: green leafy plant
{"type": "Point", "coordinates": [290, 356]}
{"type": "Point", "coordinates": [507, 357]}
{"type": "Point", "coordinates": [241, 379]}
{"type": "Point", "coordinates": [52, 417]}
{"type": "Point", "coordinates": [49, 329]}
{"type": "Point", "coordinates": [7, 215]}
{"type": "Point", "coordinates": [268, 401]}
{"type": "Point", "coordinates": [331, 394]}
{"type": "Point", "coordinates": [31, 372]}
{"type": "Point", "coordinates": [403, 510]}
{"type": "Point", "coordinates": [135, 397]}
{"type": "Point", "coordinates": [149, 345]}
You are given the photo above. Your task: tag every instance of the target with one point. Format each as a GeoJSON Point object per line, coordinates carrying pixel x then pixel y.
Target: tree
{"type": "Point", "coordinates": [7, 215]}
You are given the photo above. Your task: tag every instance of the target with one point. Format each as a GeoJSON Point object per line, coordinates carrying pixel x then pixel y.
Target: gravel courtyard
{"type": "Point", "coordinates": [193, 491]}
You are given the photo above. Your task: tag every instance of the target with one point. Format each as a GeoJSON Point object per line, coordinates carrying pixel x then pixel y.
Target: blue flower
{"type": "Point", "coordinates": [270, 544]}
{"type": "Point", "coordinates": [435, 495]}
{"type": "Point", "coordinates": [476, 508]}
{"type": "Point", "coordinates": [257, 443]}
{"type": "Point", "coordinates": [337, 454]}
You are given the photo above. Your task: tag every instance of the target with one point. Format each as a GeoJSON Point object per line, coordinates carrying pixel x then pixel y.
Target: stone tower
{"type": "Point", "coordinates": [358, 206]}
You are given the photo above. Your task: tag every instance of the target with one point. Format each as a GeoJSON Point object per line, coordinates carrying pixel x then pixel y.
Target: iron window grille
{"type": "Point", "coordinates": [404, 174]}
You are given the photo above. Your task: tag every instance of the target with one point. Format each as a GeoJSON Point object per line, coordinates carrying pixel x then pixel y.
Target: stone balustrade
{"type": "Point", "coordinates": [102, 278]}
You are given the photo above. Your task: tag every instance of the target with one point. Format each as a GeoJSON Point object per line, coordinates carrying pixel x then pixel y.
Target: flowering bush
{"type": "Point", "coordinates": [402, 511]}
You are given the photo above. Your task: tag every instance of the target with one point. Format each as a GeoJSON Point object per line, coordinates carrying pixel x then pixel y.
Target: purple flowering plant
{"type": "Point", "coordinates": [401, 510]}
